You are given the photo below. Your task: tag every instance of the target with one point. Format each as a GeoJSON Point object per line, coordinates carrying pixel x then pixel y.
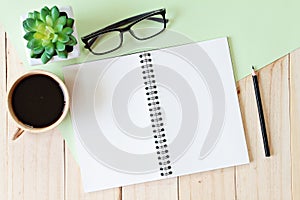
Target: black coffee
{"type": "Point", "coordinates": [38, 101]}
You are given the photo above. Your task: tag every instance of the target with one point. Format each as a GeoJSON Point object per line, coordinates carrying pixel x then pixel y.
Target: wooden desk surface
{"type": "Point", "coordinates": [41, 167]}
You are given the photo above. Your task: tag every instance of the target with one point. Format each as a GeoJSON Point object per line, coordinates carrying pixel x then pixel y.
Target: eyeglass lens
{"type": "Point", "coordinates": [148, 27]}
{"type": "Point", "coordinates": [107, 42]}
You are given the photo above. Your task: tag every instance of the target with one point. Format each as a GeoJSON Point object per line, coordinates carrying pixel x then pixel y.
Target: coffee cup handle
{"type": "Point", "coordinates": [18, 133]}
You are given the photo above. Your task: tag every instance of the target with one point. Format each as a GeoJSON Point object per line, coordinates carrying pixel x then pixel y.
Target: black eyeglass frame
{"type": "Point", "coordinates": [88, 40]}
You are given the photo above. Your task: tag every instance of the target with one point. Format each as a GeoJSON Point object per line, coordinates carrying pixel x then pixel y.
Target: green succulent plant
{"type": "Point", "coordinates": [49, 33]}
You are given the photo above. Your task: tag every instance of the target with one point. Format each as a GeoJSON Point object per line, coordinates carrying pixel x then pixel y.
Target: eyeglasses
{"type": "Point", "coordinates": [141, 27]}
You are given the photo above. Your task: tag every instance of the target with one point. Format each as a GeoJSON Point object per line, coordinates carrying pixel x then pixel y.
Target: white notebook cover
{"type": "Point", "coordinates": [197, 122]}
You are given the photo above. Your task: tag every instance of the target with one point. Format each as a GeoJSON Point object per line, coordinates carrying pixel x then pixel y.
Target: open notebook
{"type": "Point", "coordinates": [156, 114]}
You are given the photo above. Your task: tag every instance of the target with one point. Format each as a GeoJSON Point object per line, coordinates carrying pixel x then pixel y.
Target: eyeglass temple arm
{"type": "Point", "coordinates": [157, 19]}
{"type": "Point", "coordinates": [132, 19]}
{"type": "Point", "coordinates": [91, 42]}
{"type": "Point", "coordinates": [129, 20]}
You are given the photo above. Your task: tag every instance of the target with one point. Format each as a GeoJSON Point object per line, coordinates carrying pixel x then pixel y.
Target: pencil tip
{"type": "Point", "coordinates": [253, 71]}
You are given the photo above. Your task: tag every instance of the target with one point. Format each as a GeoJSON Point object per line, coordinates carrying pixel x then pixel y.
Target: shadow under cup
{"type": "Point", "coordinates": [38, 101]}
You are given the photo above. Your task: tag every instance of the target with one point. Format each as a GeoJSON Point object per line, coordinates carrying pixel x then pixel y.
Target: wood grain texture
{"type": "Point", "coordinates": [295, 125]}
{"type": "Point", "coordinates": [266, 178]}
{"type": "Point", "coordinates": [3, 119]}
{"type": "Point", "coordinates": [73, 184]}
{"type": "Point", "coordinates": [155, 190]}
{"type": "Point", "coordinates": [216, 184]}
{"type": "Point", "coordinates": [35, 161]}
{"type": "Point", "coordinates": [41, 166]}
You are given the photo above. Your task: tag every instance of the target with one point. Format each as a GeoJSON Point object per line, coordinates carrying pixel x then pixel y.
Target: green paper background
{"type": "Point", "coordinates": [259, 31]}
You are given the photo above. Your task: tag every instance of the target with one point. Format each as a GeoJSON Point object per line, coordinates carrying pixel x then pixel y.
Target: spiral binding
{"type": "Point", "coordinates": [159, 135]}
